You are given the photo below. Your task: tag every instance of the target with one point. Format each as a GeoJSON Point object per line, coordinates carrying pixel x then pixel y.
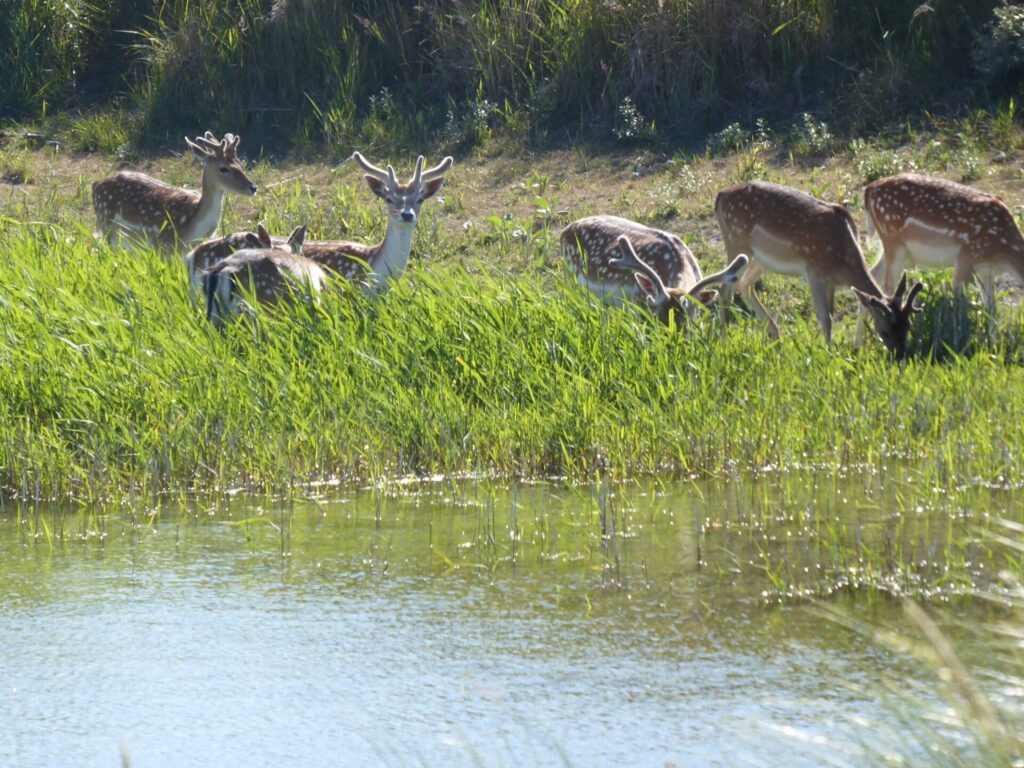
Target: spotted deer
{"type": "Point", "coordinates": [137, 205]}
{"type": "Point", "coordinates": [789, 232]}
{"type": "Point", "coordinates": [654, 268]}
{"type": "Point", "coordinates": [216, 249]}
{"type": "Point", "coordinates": [927, 222]}
{"type": "Point", "coordinates": [385, 261]}
{"type": "Point", "coordinates": [269, 275]}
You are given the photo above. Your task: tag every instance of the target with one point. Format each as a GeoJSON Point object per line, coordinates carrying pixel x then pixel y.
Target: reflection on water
{"type": "Point", "coordinates": [452, 624]}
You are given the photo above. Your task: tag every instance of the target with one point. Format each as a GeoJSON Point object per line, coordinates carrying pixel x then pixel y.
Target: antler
{"type": "Point", "coordinates": [910, 306]}
{"type": "Point", "coordinates": [629, 260]}
{"type": "Point", "coordinates": [211, 146]}
{"type": "Point", "coordinates": [371, 169]}
{"type": "Point", "coordinates": [438, 170]}
{"type": "Point", "coordinates": [728, 275]}
{"type": "Point", "coordinates": [418, 173]}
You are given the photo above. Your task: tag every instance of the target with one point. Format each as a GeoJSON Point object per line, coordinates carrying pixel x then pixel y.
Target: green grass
{"type": "Point", "coordinates": [110, 379]}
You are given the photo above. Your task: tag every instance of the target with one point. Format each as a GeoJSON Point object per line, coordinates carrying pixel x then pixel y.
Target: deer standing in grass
{"type": "Point", "coordinates": [137, 205]}
{"type": "Point", "coordinates": [928, 222]}
{"type": "Point", "coordinates": [385, 261]}
{"type": "Point", "coordinates": [789, 232]}
{"type": "Point", "coordinates": [652, 267]}
{"type": "Point", "coordinates": [270, 275]}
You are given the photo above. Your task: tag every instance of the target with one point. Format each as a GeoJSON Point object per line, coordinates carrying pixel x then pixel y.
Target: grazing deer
{"type": "Point", "coordinates": [653, 267]}
{"type": "Point", "coordinates": [789, 232]}
{"type": "Point", "coordinates": [386, 260]}
{"type": "Point", "coordinates": [136, 204]}
{"type": "Point", "coordinates": [216, 249]}
{"type": "Point", "coordinates": [271, 275]}
{"type": "Point", "coordinates": [928, 222]}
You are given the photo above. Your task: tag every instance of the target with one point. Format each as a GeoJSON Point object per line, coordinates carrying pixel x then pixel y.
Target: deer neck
{"type": "Point", "coordinates": [393, 253]}
{"type": "Point", "coordinates": [207, 215]}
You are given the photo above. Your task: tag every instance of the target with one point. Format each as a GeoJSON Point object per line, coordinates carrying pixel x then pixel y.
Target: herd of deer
{"type": "Point", "coordinates": [921, 221]}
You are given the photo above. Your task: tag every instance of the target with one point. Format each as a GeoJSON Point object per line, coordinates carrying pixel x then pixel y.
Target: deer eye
{"type": "Point", "coordinates": [223, 169]}
{"type": "Point", "coordinates": [389, 200]}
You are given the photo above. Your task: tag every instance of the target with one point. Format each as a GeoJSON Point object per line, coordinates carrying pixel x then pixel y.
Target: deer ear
{"type": "Point", "coordinates": [378, 187]}
{"type": "Point", "coordinates": [706, 297]}
{"type": "Point", "coordinates": [263, 235]}
{"type": "Point", "coordinates": [295, 239]}
{"type": "Point", "coordinates": [645, 284]}
{"type": "Point", "coordinates": [432, 187]}
{"type": "Point", "coordinates": [871, 303]}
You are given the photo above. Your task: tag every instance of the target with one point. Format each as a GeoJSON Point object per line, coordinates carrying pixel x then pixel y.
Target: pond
{"type": "Point", "coordinates": [464, 623]}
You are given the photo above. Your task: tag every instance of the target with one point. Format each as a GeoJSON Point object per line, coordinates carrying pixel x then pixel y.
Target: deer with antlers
{"type": "Point", "coordinates": [134, 204]}
{"type": "Point", "coordinates": [787, 231]}
{"type": "Point", "coordinates": [622, 260]}
{"type": "Point", "coordinates": [269, 274]}
{"type": "Point", "coordinates": [386, 260]}
{"type": "Point", "coordinates": [929, 222]}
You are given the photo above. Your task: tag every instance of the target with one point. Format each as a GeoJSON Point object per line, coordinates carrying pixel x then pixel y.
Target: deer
{"type": "Point", "coordinates": [216, 249]}
{"type": "Point", "coordinates": [652, 268]}
{"type": "Point", "coordinates": [135, 204]}
{"type": "Point", "coordinates": [387, 260]}
{"type": "Point", "coordinates": [789, 232]}
{"type": "Point", "coordinates": [271, 275]}
{"type": "Point", "coordinates": [929, 222]}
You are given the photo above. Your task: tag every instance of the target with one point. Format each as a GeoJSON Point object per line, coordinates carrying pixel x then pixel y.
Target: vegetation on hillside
{"type": "Point", "coordinates": [290, 72]}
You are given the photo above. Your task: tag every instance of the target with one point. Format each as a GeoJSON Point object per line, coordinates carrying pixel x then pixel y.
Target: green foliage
{"type": "Point", "coordinates": [110, 378]}
{"type": "Point", "coordinates": [1000, 54]}
{"type": "Point", "coordinates": [300, 71]}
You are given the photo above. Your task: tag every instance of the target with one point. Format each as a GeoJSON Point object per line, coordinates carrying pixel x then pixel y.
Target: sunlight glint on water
{"type": "Point", "coordinates": [475, 626]}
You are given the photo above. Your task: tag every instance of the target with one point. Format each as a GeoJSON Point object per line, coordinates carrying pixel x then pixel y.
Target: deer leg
{"type": "Point", "coordinates": [727, 291]}
{"type": "Point", "coordinates": [986, 281]}
{"type": "Point", "coordinates": [988, 293]}
{"type": "Point", "coordinates": [823, 296]}
{"type": "Point", "coordinates": [962, 274]}
{"type": "Point", "coordinates": [746, 289]}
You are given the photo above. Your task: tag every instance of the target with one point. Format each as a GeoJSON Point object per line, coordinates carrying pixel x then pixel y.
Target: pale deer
{"type": "Point", "coordinates": [137, 205]}
{"type": "Point", "coordinates": [657, 270]}
{"type": "Point", "coordinates": [789, 232]}
{"type": "Point", "coordinates": [211, 251]}
{"type": "Point", "coordinates": [386, 260]}
{"type": "Point", "coordinates": [939, 224]}
{"type": "Point", "coordinates": [270, 275]}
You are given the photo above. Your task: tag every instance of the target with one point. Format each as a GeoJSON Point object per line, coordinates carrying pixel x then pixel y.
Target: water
{"type": "Point", "coordinates": [441, 624]}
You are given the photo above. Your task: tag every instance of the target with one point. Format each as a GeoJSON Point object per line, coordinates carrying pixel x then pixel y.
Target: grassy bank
{"type": "Point", "coordinates": [111, 380]}
{"type": "Point", "coordinates": [297, 72]}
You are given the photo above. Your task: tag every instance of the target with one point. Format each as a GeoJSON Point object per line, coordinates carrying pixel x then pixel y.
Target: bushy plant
{"type": "Point", "coordinates": [1000, 52]}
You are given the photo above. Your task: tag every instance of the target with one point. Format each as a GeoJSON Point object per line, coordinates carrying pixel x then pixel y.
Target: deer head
{"type": "Point", "coordinates": [221, 167]}
{"type": "Point", "coordinates": [404, 200]}
{"type": "Point", "coordinates": [892, 315]}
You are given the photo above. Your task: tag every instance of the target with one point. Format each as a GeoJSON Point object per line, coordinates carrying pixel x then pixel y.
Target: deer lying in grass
{"type": "Point", "coordinates": [385, 261]}
{"type": "Point", "coordinates": [789, 232]}
{"type": "Point", "coordinates": [622, 260]}
{"type": "Point", "coordinates": [939, 224]}
{"type": "Point", "coordinates": [270, 275]}
{"type": "Point", "coordinates": [216, 249]}
{"type": "Point", "coordinates": [137, 205]}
